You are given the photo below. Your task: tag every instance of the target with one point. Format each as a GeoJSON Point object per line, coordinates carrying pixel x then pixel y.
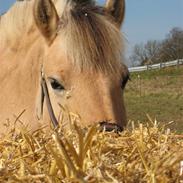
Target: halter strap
{"type": "Point", "coordinates": [48, 103]}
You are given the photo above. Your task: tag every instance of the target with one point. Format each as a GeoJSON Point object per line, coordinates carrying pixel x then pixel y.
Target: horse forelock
{"type": "Point", "coordinates": [91, 38]}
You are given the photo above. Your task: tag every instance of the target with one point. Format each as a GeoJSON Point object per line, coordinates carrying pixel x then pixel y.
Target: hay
{"type": "Point", "coordinates": [142, 154]}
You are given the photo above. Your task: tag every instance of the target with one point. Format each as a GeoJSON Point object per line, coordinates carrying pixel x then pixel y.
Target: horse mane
{"type": "Point", "coordinates": [90, 37]}
{"type": "Point", "coordinates": [16, 22]}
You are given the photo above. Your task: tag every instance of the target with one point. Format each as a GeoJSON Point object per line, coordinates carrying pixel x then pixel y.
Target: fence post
{"type": "Point", "coordinates": [160, 65]}
{"type": "Point", "coordinates": [178, 62]}
{"type": "Point", "coordinates": [140, 85]}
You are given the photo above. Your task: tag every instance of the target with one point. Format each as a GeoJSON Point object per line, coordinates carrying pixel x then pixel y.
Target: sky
{"type": "Point", "coordinates": [145, 19]}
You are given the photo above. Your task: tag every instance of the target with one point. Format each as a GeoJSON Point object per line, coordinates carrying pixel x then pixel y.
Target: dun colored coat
{"type": "Point", "coordinates": [78, 46]}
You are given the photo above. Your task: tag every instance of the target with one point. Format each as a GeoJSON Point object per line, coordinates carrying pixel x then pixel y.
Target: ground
{"type": "Point", "coordinates": [157, 93]}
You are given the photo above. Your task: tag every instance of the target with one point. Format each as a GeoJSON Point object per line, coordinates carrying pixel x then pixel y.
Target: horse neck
{"type": "Point", "coordinates": [20, 45]}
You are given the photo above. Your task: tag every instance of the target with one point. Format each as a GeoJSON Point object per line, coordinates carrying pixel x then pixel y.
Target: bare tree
{"type": "Point", "coordinates": [172, 46]}
{"type": "Point", "coordinates": [138, 55]}
{"type": "Point", "coordinates": [155, 51]}
{"type": "Point", "coordinates": [152, 51]}
{"type": "Point", "coordinates": [145, 54]}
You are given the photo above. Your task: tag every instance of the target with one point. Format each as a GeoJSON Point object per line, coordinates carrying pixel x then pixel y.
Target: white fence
{"type": "Point", "coordinates": [156, 66]}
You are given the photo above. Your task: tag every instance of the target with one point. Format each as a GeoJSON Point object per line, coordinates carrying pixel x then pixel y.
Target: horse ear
{"type": "Point", "coordinates": [46, 18]}
{"type": "Point", "coordinates": [116, 9]}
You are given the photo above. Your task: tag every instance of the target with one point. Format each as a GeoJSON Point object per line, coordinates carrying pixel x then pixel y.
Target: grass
{"type": "Point", "coordinates": [158, 93]}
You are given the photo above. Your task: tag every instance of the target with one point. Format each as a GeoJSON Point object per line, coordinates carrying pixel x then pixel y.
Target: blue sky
{"type": "Point", "coordinates": [151, 19]}
{"type": "Point", "coordinates": [145, 19]}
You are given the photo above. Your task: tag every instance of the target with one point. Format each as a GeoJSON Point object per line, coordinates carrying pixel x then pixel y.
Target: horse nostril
{"type": "Point", "coordinates": [109, 127]}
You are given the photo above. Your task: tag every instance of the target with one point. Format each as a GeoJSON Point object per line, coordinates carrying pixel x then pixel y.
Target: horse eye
{"type": "Point", "coordinates": [125, 80]}
{"type": "Point", "coordinates": [56, 85]}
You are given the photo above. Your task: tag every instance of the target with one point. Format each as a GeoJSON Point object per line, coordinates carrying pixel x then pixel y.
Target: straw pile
{"type": "Point", "coordinates": [142, 154]}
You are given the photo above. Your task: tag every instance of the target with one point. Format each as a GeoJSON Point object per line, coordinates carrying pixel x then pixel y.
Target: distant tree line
{"type": "Point", "coordinates": [153, 51]}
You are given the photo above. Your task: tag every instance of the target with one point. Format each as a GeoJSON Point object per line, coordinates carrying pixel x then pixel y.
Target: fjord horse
{"type": "Point", "coordinates": [78, 46]}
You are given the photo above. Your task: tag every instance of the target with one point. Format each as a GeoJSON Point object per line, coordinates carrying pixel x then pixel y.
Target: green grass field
{"type": "Point", "coordinates": [158, 93]}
